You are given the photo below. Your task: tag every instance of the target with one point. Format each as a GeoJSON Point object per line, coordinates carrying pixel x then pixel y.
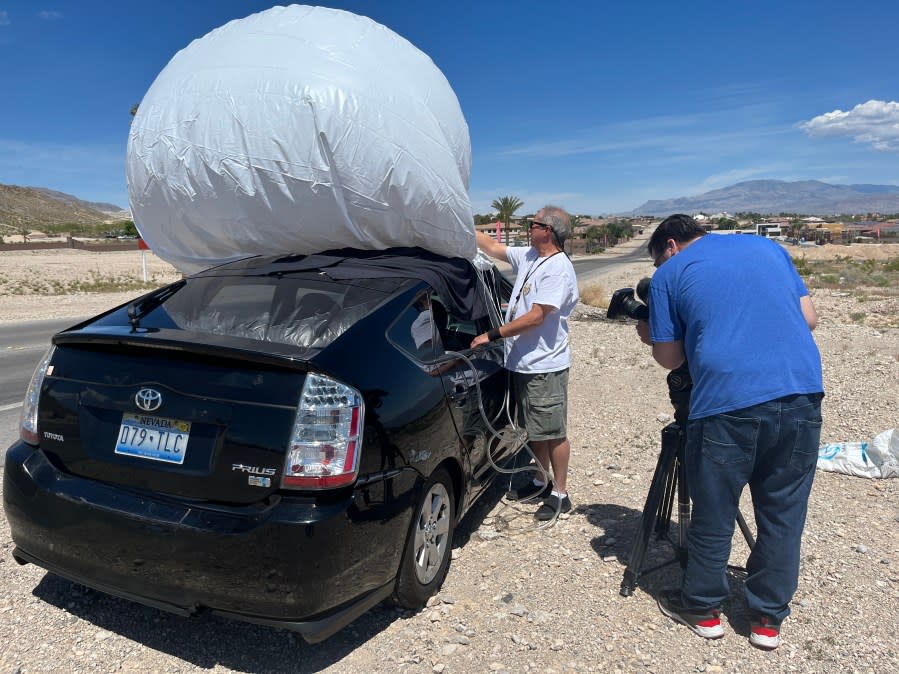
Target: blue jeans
{"type": "Point", "coordinates": [772, 447]}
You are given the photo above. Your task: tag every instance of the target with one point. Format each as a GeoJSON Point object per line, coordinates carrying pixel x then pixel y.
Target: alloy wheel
{"type": "Point", "coordinates": [432, 533]}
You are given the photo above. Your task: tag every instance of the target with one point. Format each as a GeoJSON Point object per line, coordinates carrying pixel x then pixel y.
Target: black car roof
{"type": "Point", "coordinates": [454, 279]}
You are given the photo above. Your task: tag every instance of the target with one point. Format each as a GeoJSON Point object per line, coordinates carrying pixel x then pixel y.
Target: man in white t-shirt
{"type": "Point", "coordinates": [537, 349]}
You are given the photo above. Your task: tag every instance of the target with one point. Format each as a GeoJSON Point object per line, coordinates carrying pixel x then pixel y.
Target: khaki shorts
{"type": "Point", "coordinates": [542, 403]}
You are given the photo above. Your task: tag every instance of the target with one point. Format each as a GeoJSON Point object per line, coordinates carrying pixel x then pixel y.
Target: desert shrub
{"type": "Point", "coordinates": [594, 294]}
{"type": "Point", "coordinates": [802, 266]}
{"type": "Point", "coordinates": [857, 316]}
{"type": "Point", "coordinates": [868, 266]}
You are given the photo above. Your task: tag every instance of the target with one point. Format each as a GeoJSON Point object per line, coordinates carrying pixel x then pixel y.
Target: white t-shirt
{"type": "Point", "coordinates": [541, 280]}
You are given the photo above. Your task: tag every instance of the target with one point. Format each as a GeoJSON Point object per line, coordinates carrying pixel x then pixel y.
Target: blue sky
{"type": "Point", "coordinates": [594, 106]}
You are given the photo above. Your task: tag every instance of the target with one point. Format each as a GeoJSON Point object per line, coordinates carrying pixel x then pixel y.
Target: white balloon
{"type": "Point", "coordinates": [296, 130]}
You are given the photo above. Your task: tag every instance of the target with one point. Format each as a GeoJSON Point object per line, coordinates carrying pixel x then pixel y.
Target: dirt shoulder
{"type": "Point", "coordinates": [43, 284]}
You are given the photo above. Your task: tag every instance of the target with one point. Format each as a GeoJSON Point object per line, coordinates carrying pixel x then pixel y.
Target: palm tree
{"type": "Point", "coordinates": [596, 238]}
{"type": "Point", "coordinates": [573, 221]}
{"type": "Point", "coordinates": [506, 207]}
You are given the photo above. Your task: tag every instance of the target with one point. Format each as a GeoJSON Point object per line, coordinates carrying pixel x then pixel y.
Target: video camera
{"type": "Point", "coordinates": [623, 302]}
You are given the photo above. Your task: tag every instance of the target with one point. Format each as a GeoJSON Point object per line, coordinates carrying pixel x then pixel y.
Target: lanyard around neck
{"type": "Point", "coordinates": [530, 273]}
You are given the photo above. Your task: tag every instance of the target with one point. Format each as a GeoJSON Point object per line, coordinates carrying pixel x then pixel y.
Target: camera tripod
{"type": "Point", "coordinates": [669, 478]}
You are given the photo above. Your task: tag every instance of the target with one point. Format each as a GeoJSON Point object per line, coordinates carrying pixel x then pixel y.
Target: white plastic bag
{"type": "Point", "coordinates": [296, 130]}
{"type": "Point", "coordinates": [879, 458]}
{"type": "Point", "coordinates": [849, 458]}
{"type": "Point", "coordinates": [884, 451]}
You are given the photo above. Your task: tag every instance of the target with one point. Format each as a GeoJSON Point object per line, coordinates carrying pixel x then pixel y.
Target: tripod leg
{"type": "Point", "coordinates": [747, 533]}
{"type": "Point", "coordinates": [651, 509]}
{"type": "Point", "coordinates": [663, 519]}
{"type": "Point", "coordinates": [683, 501]}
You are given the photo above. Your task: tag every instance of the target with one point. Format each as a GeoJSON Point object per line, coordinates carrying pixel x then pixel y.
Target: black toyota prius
{"type": "Point", "coordinates": [284, 440]}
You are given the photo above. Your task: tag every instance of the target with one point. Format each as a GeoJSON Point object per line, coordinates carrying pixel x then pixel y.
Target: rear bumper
{"type": "Point", "coordinates": [303, 566]}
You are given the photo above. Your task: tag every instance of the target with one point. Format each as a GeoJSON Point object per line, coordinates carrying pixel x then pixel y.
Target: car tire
{"type": "Point", "coordinates": [429, 543]}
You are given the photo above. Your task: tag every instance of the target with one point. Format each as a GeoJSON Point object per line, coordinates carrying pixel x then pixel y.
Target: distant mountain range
{"type": "Point", "coordinates": [34, 207]}
{"type": "Point", "coordinates": [809, 197]}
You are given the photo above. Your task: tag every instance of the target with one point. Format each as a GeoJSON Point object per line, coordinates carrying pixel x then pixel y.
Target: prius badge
{"type": "Point", "coordinates": [148, 399]}
{"type": "Point", "coordinates": [259, 476]}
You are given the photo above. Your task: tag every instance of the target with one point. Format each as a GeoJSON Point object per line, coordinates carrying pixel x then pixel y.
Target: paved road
{"type": "Point", "coordinates": [587, 267]}
{"type": "Point", "coordinates": [21, 347]}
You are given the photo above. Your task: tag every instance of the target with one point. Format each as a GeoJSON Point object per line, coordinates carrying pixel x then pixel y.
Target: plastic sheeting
{"type": "Point", "coordinates": [876, 459]}
{"type": "Point", "coordinates": [299, 129]}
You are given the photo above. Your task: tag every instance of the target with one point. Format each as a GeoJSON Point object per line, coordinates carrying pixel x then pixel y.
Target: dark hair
{"type": "Point", "coordinates": [680, 227]}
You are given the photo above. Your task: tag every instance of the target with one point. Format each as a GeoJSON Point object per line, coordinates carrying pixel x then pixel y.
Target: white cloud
{"type": "Point", "coordinates": [4, 18]}
{"type": "Point", "coordinates": [49, 15]}
{"type": "Point", "coordinates": [737, 175]}
{"type": "Point", "coordinates": [875, 123]}
{"type": "Point", "coordinates": [687, 136]}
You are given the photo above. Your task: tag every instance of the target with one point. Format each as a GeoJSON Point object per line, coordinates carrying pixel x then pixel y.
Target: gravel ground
{"type": "Point", "coordinates": [519, 599]}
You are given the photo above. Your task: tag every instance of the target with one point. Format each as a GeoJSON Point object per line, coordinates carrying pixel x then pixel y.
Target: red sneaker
{"type": "Point", "coordinates": [706, 622]}
{"type": "Point", "coordinates": [764, 632]}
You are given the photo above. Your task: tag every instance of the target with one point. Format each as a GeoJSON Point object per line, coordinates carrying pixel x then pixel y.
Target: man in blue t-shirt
{"type": "Point", "coordinates": [737, 311]}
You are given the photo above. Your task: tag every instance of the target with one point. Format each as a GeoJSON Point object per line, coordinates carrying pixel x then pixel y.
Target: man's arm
{"type": "Point", "coordinates": [523, 323]}
{"type": "Point", "coordinates": [669, 355]}
{"type": "Point", "coordinates": [808, 311]}
{"type": "Point", "coordinates": [491, 246]}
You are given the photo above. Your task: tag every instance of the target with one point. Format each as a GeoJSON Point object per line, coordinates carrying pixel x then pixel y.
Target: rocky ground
{"type": "Point", "coordinates": [520, 599]}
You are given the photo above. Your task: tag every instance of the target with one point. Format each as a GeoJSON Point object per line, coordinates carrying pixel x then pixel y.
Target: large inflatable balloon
{"type": "Point", "coordinates": [296, 130]}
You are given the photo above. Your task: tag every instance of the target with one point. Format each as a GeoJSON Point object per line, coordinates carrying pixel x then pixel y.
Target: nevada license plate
{"type": "Point", "coordinates": [155, 438]}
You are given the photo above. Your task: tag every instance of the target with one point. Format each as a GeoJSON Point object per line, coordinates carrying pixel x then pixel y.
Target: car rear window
{"type": "Point", "coordinates": [302, 310]}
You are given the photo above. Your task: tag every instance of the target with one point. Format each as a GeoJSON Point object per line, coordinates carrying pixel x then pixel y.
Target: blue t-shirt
{"type": "Point", "coordinates": [734, 302]}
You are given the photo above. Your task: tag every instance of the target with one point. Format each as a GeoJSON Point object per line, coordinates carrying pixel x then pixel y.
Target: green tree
{"type": "Point", "coordinates": [596, 238]}
{"type": "Point", "coordinates": [726, 223]}
{"type": "Point", "coordinates": [617, 231]}
{"type": "Point", "coordinates": [506, 207]}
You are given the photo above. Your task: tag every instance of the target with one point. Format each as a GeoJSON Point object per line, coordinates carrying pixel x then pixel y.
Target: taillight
{"type": "Point", "coordinates": [28, 430]}
{"type": "Point", "coordinates": [327, 433]}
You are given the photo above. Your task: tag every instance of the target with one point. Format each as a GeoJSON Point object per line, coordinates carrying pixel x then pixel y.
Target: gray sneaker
{"type": "Point", "coordinates": [552, 504]}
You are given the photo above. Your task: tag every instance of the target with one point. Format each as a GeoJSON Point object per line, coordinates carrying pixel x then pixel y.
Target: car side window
{"type": "Point", "coordinates": [414, 331]}
{"type": "Point", "coordinates": [458, 331]}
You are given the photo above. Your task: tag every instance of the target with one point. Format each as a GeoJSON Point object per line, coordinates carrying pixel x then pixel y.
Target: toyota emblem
{"type": "Point", "coordinates": [148, 399]}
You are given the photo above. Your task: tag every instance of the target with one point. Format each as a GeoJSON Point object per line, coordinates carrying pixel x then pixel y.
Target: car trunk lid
{"type": "Point", "coordinates": [192, 422]}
